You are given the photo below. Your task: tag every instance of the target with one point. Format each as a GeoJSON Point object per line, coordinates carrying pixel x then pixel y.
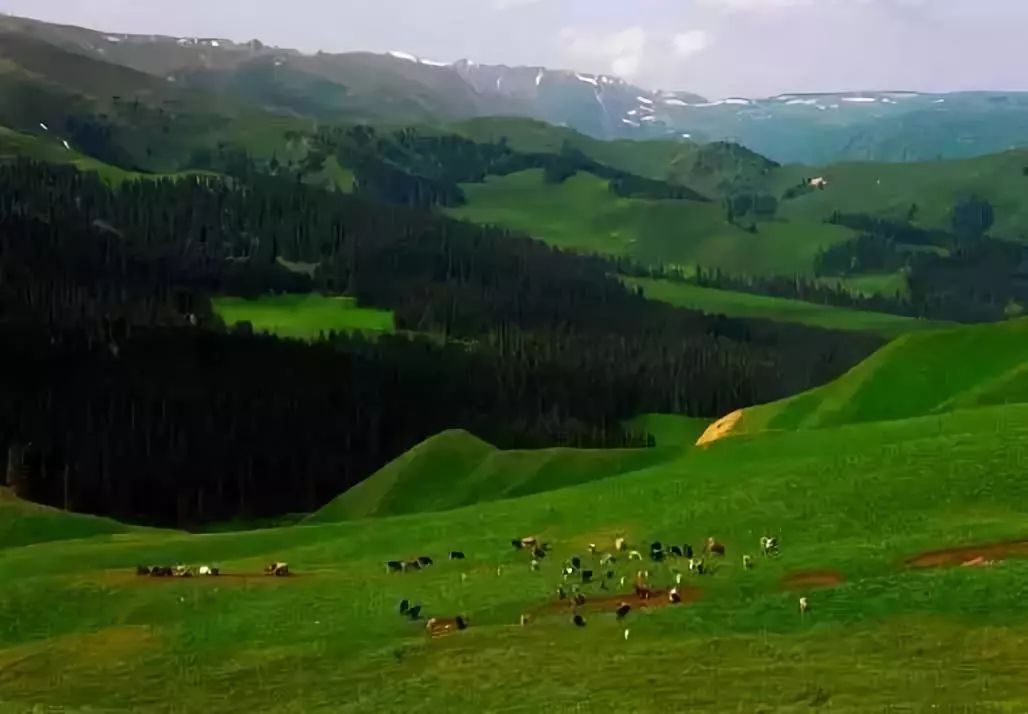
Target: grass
{"type": "Point", "coordinates": [582, 214]}
{"type": "Point", "coordinates": [735, 304]}
{"type": "Point", "coordinates": [303, 316]}
{"type": "Point", "coordinates": [935, 187]}
{"type": "Point", "coordinates": [455, 469]}
{"type": "Point", "coordinates": [329, 640]}
{"type": "Point", "coordinates": [23, 523]}
{"type": "Point", "coordinates": [669, 430]}
{"type": "Point", "coordinates": [917, 374]}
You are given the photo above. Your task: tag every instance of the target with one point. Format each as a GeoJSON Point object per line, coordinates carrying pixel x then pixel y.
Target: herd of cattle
{"type": "Point", "coordinates": [576, 575]}
{"type": "Point", "coordinates": [277, 569]}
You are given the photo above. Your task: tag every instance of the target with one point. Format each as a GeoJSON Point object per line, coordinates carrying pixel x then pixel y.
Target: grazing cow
{"type": "Point", "coordinates": [539, 553]}
{"type": "Point", "coordinates": [768, 545]}
{"type": "Point", "coordinates": [425, 561]}
{"type": "Point", "coordinates": [656, 547]}
{"type": "Point", "coordinates": [181, 571]}
{"type": "Point", "coordinates": [456, 555]}
{"type": "Point", "coordinates": [675, 550]}
{"type": "Point", "coordinates": [634, 555]}
{"type": "Point", "coordinates": [715, 548]}
{"type": "Point", "coordinates": [804, 605]}
{"type": "Point", "coordinates": [578, 620]}
{"type": "Point", "coordinates": [657, 556]}
{"type": "Point", "coordinates": [205, 571]}
{"type": "Point", "coordinates": [623, 610]}
{"type": "Point", "coordinates": [587, 576]}
{"type": "Point", "coordinates": [279, 570]}
{"type": "Point", "coordinates": [687, 550]}
{"type": "Point", "coordinates": [393, 566]}
{"type": "Point", "coordinates": [696, 566]}
{"type": "Point", "coordinates": [161, 571]}
{"type": "Point", "coordinates": [439, 626]}
{"type": "Point", "coordinates": [518, 545]}
{"type": "Point", "coordinates": [576, 562]}
{"type": "Point", "coordinates": [673, 596]}
{"type": "Point", "coordinates": [619, 544]}
{"type": "Point", "coordinates": [579, 599]}
{"type": "Point", "coordinates": [642, 589]}
{"type": "Point", "coordinates": [142, 570]}
{"type": "Point", "coordinates": [411, 565]}
{"type": "Point", "coordinates": [529, 542]}
{"type": "Point", "coordinates": [404, 606]}
{"type": "Point", "coordinates": [414, 612]}
{"type": "Point", "coordinates": [747, 562]}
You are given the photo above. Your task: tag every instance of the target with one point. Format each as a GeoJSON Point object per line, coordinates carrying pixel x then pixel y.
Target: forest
{"type": "Point", "coordinates": [123, 394]}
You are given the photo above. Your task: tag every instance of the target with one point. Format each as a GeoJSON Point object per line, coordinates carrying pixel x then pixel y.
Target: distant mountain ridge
{"type": "Point", "coordinates": [400, 88]}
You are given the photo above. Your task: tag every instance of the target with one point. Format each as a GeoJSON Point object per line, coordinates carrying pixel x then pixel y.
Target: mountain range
{"type": "Point", "coordinates": [400, 88]}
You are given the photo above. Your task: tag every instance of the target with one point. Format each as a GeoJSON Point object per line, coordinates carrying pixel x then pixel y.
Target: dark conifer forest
{"type": "Point", "coordinates": [123, 393]}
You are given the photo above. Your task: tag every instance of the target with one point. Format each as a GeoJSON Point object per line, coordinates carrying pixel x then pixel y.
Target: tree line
{"type": "Point", "coordinates": [123, 394]}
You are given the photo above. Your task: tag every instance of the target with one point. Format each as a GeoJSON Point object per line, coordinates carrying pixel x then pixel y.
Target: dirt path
{"type": "Point", "coordinates": [812, 579]}
{"type": "Point", "coordinates": [610, 603]}
{"type": "Point", "coordinates": [971, 555]}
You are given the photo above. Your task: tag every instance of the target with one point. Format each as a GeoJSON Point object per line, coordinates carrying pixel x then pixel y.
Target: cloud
{"type": "Point", "coordinates": [620, 52]}
{"type": "Point", "coordinates": [691, 42]}
{"type": "Point", "coordinates": [743, 5]}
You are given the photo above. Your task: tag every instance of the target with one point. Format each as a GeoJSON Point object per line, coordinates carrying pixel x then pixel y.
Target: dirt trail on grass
{"type": "Point", "coordinates": [610, 603]}
{"type": "Point", "coordinates": [812, 579]}
{"type": "Point", "coordinates": [720, 429]}
{"type": "Point", "coordinates": [971, 555]}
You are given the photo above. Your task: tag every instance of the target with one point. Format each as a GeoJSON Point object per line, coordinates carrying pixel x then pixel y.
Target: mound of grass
{"type": "Point", "coordinates": [857, 499]}
{"type": "Point", "coordinates": [455, 469]}
{"type": "Point", "coordinates": [582, 214]}
{"type": "Point", "coordinates": [669, 430]}
{"type": "Point", "coordinates": [302, 316]}
{"type": "Point", "coordinates": [735, 304]}
{"type": "Point", "coordinates": [23, 523]}
{"type": "Point", "coordinates": [915, 375]}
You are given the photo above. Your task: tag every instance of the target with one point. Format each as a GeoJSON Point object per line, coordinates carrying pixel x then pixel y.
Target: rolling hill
{"type": "Point", "coordinates": [916, 375]}
{"type": "Point", "coordinates": [23, 523]}
{"type": "Point", "coordinates": [850, 505]}
{"type": "Point", "coordinates": [455, 469]}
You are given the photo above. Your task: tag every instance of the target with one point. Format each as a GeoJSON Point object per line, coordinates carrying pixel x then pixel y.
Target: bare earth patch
{"type": "Point", "coordinates": [812, 579]}
{"type": "Point", "coordinates": [970, 556]}
{"type": "Point", "coordinates": [720, 429]}
{"type": "Point", "coordinates": [610, 603]}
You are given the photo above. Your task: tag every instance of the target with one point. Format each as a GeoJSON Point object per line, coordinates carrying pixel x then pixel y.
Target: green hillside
{"type": "Point", "coordinates": [302, 316]}
{"type": "Point", "coordinates": [669, 430]}
{"type": "Point", "coordinates": [935, 187]}
{"type": "Point", "coordinates": [855, 500]}
{"type": "Point", "coordinates": [736, 304]}
{"type": "Point", "coordinates": [455, 469]}
{"type": "Point", "coordinates": [23, 523]}
{"type": "Point", "coordinates": [915, 375]}
{"type": "Point", "coordinates": [582, 214]}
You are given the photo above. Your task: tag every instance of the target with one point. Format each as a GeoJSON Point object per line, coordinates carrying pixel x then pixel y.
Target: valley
{"type": "Point", "coordinates": [361, 382]}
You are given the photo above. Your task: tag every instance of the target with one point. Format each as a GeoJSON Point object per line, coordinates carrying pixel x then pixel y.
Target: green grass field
{"type": "Point", "coordinates": [303, 316]}
{"type": "Point", "coordinates": [856, 499]}
{"type": "Point", "coordinates": [916, 374]}
{"type": "Point", "coordinates": [582, 214]}
{"type": "Point", "coordinates": [455, 469]}
{"type": "Point", "coordinates": [735, 304]}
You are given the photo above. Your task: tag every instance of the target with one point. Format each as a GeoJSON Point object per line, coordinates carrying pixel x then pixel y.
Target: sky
{"type": "Point", "coordinates": [717, 48]}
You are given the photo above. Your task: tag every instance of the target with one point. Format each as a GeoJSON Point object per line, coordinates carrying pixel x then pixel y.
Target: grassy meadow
{"type": "Point", "coordinates": [857, 500]}
{"type": "Point", "coordinates": [304, 316]}
{"type": "Point", "coordinates": [582, 214]}
{"type": "Point", "coordinates": [737, 304]}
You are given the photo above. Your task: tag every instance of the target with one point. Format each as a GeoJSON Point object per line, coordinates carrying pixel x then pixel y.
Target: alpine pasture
{"type": "Point", "coordinates": [856, 498]}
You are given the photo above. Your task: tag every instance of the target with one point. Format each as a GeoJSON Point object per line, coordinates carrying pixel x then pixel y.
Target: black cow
{"type": "Point", "coordinates": [142, 570]}
{"type": "Point", "coordinates": [462, 624]}
{"type": "Point", "coordinates": [587, 576]}
{"type": "Point", "coordinates": [414, 613]}
{"type": "Point", "coordinates": [539, 553]}
{"type": "Point", "coordinates": [578, 620]}
{"type": "Point", "coordinates": [518, 545]}
{"type": "Point", "coordinates": [675, 550]}
{"type": "Point", "coordinates": [393, 566]}
{"type": "Point", "coordinates": [687, 550]}
{"type": "Point", "coordinates": [404, 606]}
{"type": "Point", "coordinates": [623, 610]}
{"type": "Point", "coordinates": [576, 562]}
{"type": "Point", "coordinates": [456, 555]}
{"type": "Point", "coordinates": [424, 561]}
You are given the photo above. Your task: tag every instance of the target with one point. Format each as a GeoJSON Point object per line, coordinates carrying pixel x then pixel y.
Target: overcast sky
{"type": "Point", "coordinates": [718, 48]}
